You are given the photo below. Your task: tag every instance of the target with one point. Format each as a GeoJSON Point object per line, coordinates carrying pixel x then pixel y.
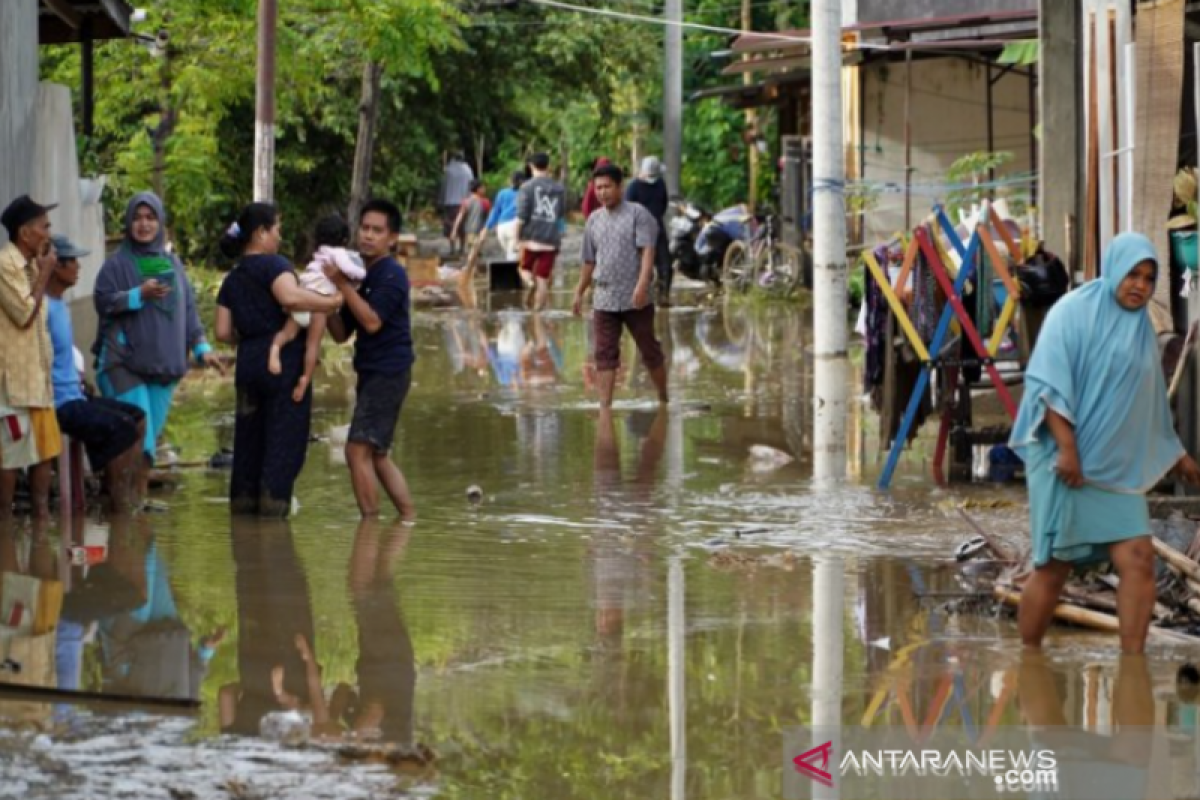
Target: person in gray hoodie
{"type": "Point", "coordinates": [542, 215]}
{"type": "Point", "coordinates": [148, 323]}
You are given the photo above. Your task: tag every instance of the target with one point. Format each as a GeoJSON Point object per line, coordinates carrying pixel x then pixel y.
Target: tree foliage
{"type": "Point", "coordinates": [494, 82]}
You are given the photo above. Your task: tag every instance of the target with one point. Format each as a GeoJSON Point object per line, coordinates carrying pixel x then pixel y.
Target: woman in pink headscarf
{"type": "Point", "coordinates": [590, 201]}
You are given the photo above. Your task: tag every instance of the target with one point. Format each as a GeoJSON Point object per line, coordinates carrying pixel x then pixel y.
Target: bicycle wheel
{"type": "Point", "coordinates": [737, 272]}
{"type": "Point", "coordinates": [780, 270]}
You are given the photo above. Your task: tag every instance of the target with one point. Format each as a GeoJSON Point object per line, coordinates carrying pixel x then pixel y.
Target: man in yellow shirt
{"type": "Point", "coordinates": [29, 436]}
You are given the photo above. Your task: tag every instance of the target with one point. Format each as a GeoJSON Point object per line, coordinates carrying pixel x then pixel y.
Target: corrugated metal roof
{"type": "Point", "coordinates": [1010, 23]}
{"type": "Point", "coordinates": [64, 21]}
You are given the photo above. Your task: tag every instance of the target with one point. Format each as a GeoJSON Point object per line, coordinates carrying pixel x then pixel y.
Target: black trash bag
{"type": "Point", "coordinates": [1043, 279]}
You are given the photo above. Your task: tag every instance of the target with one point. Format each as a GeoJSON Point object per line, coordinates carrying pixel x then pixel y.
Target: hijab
{"type": "Point", "coordinates": [151, 258]}
{"type": "Point", "coordinates": [158, 247]}
{"type": "Point", "coordinates": [1096, 364]}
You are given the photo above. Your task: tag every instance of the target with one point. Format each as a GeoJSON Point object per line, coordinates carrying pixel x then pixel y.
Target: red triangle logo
{"type": "Point", "coordinates": [806, 764]}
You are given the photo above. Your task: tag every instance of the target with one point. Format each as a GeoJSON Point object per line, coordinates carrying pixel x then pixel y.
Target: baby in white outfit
{"type": "Point", "coordinates": [332, 236]}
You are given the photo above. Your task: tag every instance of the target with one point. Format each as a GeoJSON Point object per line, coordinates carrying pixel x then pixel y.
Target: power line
{"type": "Point", "coordinates": [608, 12]}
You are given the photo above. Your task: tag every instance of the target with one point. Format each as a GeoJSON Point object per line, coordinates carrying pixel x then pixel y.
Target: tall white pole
{"type": "Point", "coordinates": [673, 94]}
{"type": "Point", "coordinates": [830, 322]}
{"type": "Point", "coordinates": [829, 600]}
{"type": "Point", "coordinates": [829, 176]}
{"type": "Point", "coordinates": [676, 683]}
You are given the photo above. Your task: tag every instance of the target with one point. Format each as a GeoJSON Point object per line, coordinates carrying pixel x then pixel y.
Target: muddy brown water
{"type": "Point", "coordinates": [524, 642]}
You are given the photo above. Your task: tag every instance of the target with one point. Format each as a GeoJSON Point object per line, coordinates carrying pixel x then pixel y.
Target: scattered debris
{"type": "Point", "coordinates": [975, 504]}
{"type": "Point", "coordinates": [740, 532]}
{"type": "Point", "coordinates": [970, 548]}
{"type": "Point", "coordinates": [768, 459]}
{"type": "Point", "coordinates": [222, 459]}
{"type": "Point", "coordinates": [734, 561]}
{"type": "Point", "coordinates": [1090, 599]}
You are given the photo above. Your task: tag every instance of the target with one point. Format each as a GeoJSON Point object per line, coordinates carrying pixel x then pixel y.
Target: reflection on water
{"type": "Point", "coordinates": [612, 619]}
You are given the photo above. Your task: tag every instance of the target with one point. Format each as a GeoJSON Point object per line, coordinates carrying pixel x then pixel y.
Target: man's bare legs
{"type": "Point", "coordinates": [658, 376]}
{"type": "Point", "coordinates": [8, 492]}
{"type": "Point", "coordinates": [39, 490]}
{"type": "Point", "coordinates": [1038, 600]}
{"type": "Point", "coordinates": [541, 297]}
{"type": "Point", "coordinates": [606, 381]}
{"type": "Point", "coordinates": [362, 477]}
{"type": "Point", "coordinates": [395, 485]}
{"type": "Point", "coordinates": [366, 468]}
{"type": "Point", "coordinates": [118, 479]}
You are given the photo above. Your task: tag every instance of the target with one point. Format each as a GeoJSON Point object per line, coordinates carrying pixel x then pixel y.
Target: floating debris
{"type": "Point", "coordinates": [768, 459]}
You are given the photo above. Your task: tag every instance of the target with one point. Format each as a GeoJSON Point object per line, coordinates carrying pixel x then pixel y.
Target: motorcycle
{"type": "Point", "coordinates": [699, 240]}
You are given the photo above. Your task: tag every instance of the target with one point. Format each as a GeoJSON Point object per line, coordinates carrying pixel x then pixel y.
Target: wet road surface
{"type": "Point", "coordinates": [525, 645]}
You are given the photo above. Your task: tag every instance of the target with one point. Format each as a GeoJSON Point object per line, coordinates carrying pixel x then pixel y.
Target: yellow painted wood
{"type": "Point", "coordinates": [897, 307]}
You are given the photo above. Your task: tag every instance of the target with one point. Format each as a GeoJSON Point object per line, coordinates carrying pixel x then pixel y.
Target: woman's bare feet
{"type": "Point", "coordinates": [300, 390]}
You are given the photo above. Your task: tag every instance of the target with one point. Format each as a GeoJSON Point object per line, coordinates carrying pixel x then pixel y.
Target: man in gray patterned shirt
{"type": "Point", "coordinates": [618, 261]}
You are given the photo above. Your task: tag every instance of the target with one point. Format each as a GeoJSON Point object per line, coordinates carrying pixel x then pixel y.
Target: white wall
{"type": "Point", "coordinates": [56, 180]}
{"type": "Point", "coordinates": [949, 120]}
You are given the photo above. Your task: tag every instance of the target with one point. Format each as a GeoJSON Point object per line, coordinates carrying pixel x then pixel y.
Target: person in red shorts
{"type": "Point", "coordinates": [618, 264]}
{"type": "Point", "coordinates": [542, 216]}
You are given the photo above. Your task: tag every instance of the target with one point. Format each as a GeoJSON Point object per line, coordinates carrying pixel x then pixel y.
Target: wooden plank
{"type": "Point", "coordinates": [1104, 121]}
{"type": "Point", "coordinates": [1095, 620]}
{"type": "Point", "coordinates": [1091, 212]}
{"type": "Point", "coordinates": [1125, 93]}
{"type": "Point", "coordinates": [1160, 81]}
{"type": "Point", "coordinates": [910, 257]}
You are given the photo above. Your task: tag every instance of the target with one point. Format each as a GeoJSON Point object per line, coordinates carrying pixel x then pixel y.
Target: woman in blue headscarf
{"type": "Point", "coordinates": [1096, 433]}
{"type": "Point", "coordinates": [148, 322]}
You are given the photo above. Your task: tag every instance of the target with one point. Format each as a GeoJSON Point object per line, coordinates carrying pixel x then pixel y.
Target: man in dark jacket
{"type": "Point", "coordinates": [649, 190]}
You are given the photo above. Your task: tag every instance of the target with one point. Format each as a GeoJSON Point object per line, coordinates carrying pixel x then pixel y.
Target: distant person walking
{"type": "Point", "coordinates": [591, 203]}
{"type": "Point", "coordinates": [271, 427]}
{"type": "Point", "coordinates": [542, 215]}
{"type": "Point", "coordinates": [1096, 433]}
{"type": "Point", "coordinates": [456, 186]}
{"type": "Point", "coordinates": [29, 434]}
{"type": "Point", "coordinates": [472, 217]}
{"type": "Point", "coordinates": [111, 431]}
{"type": "Point", "coordinates": [618, 261]}
{"type": "Point", "coordinates": [148, 323]}
{"type": "Point", "coordinates": [503, 218]}
{"type": "Point", "coordinates": [649, 190]}
{"type": "Point", "coordinates": [376, 314]}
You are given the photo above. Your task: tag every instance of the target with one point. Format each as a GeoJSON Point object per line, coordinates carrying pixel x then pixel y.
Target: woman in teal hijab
{"type": "Point", "coordinates": [1096, 433]}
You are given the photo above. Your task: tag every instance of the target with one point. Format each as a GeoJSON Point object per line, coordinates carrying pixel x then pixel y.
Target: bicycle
{"type": "Point", "coordinates": [764, 262]}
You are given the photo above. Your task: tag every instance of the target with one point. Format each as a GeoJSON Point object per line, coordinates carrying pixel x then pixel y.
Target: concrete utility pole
{"type": "Point", "coordinates": [828, 640]}
{"type": "Point", "coordinates": [264, 116]}
{"type": "Point", "coordinates": [751, 117]}
{"type": "Point", "coordinates": [673, 94]}
{"type": "Point", "coordinates": [830, 324]}
{"type": "Point", "coordinates": [829, 177]}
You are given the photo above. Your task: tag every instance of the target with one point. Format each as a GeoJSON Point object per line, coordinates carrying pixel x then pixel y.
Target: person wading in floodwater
{"type": "Point", "coordinates": [618, 260]}
{"type": "Point", "coordinates": [377, 314]}
{"type": "Point", "coordinates": [542, 215]}
{"type": "Point", "coordinates": [1096, 434]}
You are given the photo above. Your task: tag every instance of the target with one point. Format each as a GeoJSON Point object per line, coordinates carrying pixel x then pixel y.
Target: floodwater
{"type": "Point", "coordinates": [628, 612]}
